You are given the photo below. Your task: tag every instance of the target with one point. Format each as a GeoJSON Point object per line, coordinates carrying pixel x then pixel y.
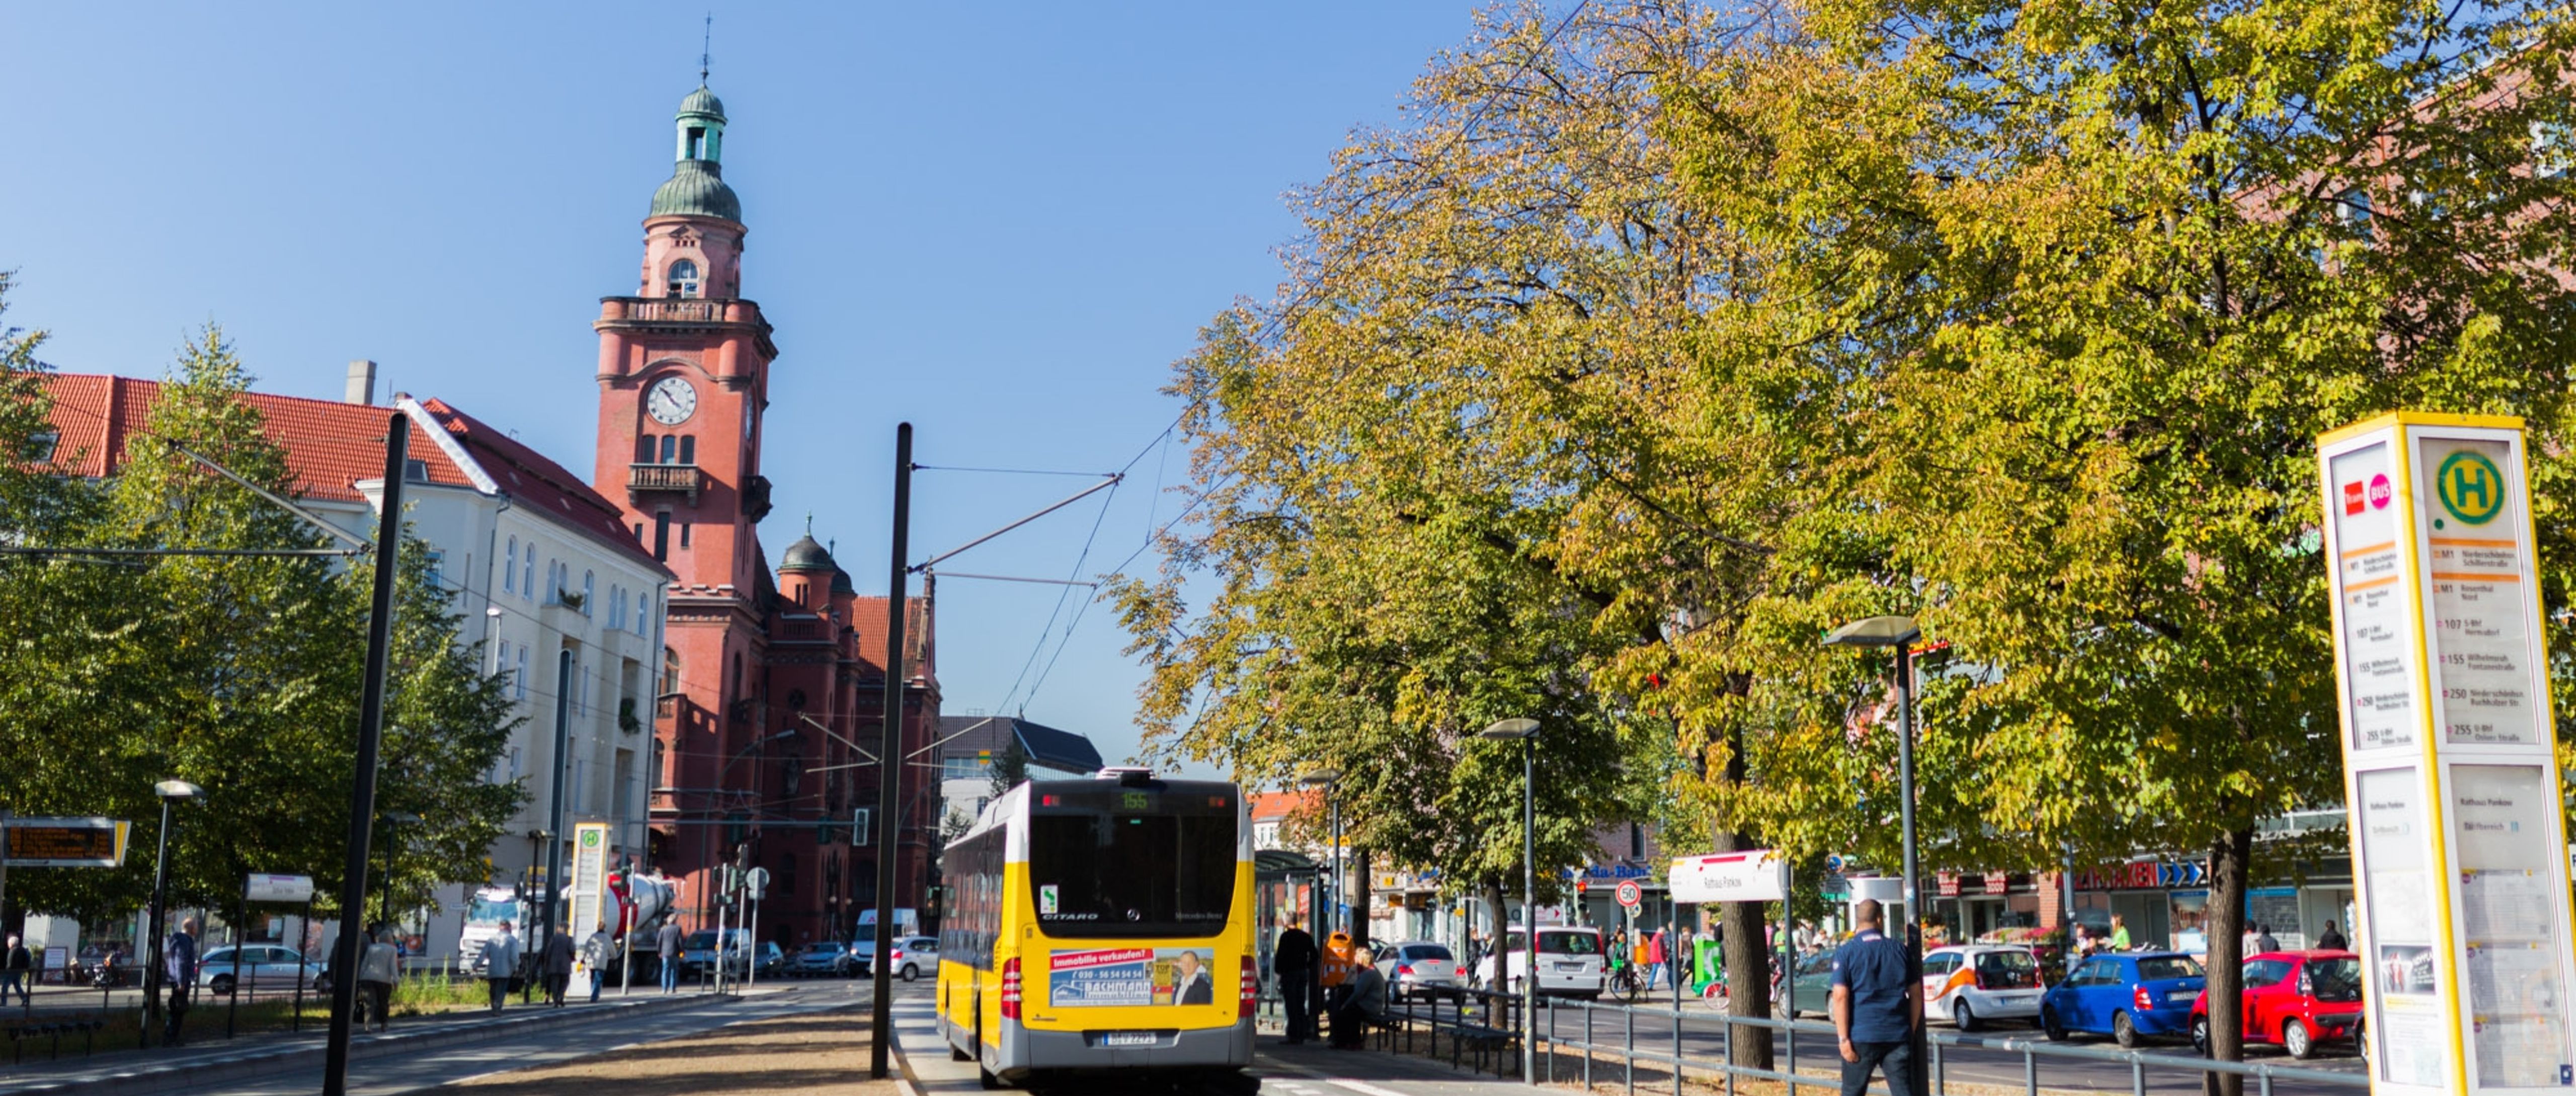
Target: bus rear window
{"type": "Point", "coordinates": [1121, 863]}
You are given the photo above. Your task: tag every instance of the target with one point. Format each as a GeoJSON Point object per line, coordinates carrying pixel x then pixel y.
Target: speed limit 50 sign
{"type": "Point", "coordinates": [1630, 894]}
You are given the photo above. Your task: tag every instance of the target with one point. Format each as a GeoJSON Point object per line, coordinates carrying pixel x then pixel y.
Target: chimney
{"type": "Point", "coordinates": [362, 382]}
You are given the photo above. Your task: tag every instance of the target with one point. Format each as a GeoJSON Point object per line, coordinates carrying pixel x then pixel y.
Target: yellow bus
{"type": "Point", "coordinates": [1091, 927]}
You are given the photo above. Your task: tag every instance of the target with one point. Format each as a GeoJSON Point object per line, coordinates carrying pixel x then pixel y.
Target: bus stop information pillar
{"type": "Point", "coordinates": [2462, 891]}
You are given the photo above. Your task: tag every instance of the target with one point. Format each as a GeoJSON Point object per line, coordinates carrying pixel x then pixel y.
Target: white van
{"type": "Point", "coordinates": [1570, 963]}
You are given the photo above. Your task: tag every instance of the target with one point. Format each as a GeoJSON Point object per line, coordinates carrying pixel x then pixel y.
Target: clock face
{"type": "Point", "coordinates": [671, 402]}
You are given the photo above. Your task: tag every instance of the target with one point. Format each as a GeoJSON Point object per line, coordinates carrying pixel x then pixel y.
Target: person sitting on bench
{"type": "Point", "coordinates": [1362, 1002]}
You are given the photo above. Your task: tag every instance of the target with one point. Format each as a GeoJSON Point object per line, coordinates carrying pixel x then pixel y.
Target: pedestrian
{"type": "Point", "coordinates": [179, 964]}
{"type": "Point", "coordinates": [595, 954]}
{"type": "Point", "coordinates": [1875, 1007]}
{"type": "Point", "coordinates": [2264, 940]}
{"type": "Point", "coordinates": [556, 963]}
{"type": "Point", "coordinates": [2330, 940]}
{"type": "Point", "coordinates": [14, 972]}
{"type": "Point", "coordinates": [666, 944]}
{"type": "Point", "coordinates": [500, 963]}
{"type": "Point", "coordinates": [2119, 933]}
{"type": "Point", "coordinates": [1292, 962]}
{"type": "Point", "coordinates": [1362, 1001]}
{"type": "Point", "coordinates": [377, 971]}
{"type": "Point", "coordinates": [1656, 960]}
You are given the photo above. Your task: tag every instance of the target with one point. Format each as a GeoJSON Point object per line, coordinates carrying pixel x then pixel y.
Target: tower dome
{"type": "Point", "coordinates": [697, 187]}
{"type": "Point", "coordinates": [807, 554]}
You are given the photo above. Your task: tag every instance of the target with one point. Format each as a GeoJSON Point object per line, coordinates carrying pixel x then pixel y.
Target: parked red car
{"type": "Point", "coordinates": [2295, 999]}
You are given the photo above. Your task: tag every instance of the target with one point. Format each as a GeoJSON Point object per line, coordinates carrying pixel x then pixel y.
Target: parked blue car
{"type": "Point", "coordinates": [2125, 995]}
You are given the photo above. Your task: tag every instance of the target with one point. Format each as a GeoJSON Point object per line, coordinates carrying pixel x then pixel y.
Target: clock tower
{"type": "Point", "coordinates": [684, 374]}
{"type": "Point", "coordinates": [683, 377]}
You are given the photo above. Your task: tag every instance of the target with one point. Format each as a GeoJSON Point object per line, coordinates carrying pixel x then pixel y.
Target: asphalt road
{"type": "Point", "coordinates": [390, 1074]}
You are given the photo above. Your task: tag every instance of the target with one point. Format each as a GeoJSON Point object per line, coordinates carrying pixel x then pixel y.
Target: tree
{"type": "Point", "coordinates": [238, 673]}
{"type": "Point", "coordinates": [2106, 270]}
{"type": "Point", "coordinates": [1010, 767]}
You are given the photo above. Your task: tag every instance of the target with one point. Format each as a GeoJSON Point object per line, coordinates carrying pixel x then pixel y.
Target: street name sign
{"type": "Point", "coordinates": [291, 889]}
{"type": "Point", "coordinates": [1754, 875]}
{"type": "Point", "coordinates": [65, 842]}
{"type": "Point", "coordinates": [2462, 901]}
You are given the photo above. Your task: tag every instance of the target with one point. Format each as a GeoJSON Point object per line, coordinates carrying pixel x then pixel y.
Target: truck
{"type": "Point", "coordinates": [650, 900]}
{"type": "Point", "coordinates": [484, 913]}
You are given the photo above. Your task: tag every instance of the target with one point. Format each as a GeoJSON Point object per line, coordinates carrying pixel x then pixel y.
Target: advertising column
{"type": "Point", "coordinates": [2461, 896]}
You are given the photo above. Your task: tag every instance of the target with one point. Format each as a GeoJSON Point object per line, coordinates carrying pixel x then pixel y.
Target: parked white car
{"type": "Point", "coordinates": [1570, 963]}
{"type": "Point", "coordinates": [1417, 968]}
{"type": "Point", "coordinates": [263, 967]}
{"type": "Point", "coordinates": [1975, 983]}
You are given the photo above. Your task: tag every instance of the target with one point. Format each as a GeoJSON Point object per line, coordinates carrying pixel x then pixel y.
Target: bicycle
{"type": "Point", "coordinates": [1626, 985]}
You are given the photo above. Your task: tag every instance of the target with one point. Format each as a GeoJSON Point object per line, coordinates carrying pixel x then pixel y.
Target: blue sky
{"type": "Point", "coordinates": [999, 221]}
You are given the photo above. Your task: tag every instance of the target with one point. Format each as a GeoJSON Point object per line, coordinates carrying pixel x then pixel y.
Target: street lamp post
{"type": "Point", "coordinates": [1900, 633]}
{"type": "Point", "coordinates": [1526, 730]}
{"type": "Point", "coordinates": [170, 791]}
{"type": "Point", "coordinates": [1327, 779]}
{"type": "Point", "coordinates": [385, 897]}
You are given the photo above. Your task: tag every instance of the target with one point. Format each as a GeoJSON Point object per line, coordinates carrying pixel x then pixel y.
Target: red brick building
{"type": "Point", "coordinates": [771, 685]}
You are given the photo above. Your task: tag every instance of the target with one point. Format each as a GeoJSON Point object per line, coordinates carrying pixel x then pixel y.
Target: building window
{"type": "Point", "coordinates": [510, 568]}
{"type": "Point", "coordinates": [40, 446]}
{"type": "Point", "coordinates": [589, 585]}
{"type": "Point", "coordinates": [684, 274]}
{"type": "Point", "coordinates": [616, 608]}
{"type": "Point", "coordinates": [670, 446]}
{"type": "Point", "coordinates": [697, 151]}
{"type": "Point", "coordinates": [684, 533]}
{"type": "Point", "coordinates": [662, 535]}
{"type": "Point", "coordinates": [528, 572]}
{"type": "Point", "coordinates": [644, 449]}
{"type": "Point", "coordinates": [519, 688]}
{"type": "Point", "coordinates": [438, 566]}
{"type": "Point", "coordinates": [670, 671]}
{"type": "Point", "coordinates": [501, 664]}
{"type": "Point", "coordinates": [688, 449]}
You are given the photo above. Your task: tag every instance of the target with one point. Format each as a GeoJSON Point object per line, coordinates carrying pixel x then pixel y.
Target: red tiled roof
{"type": "Point", "coordinates": [1267, 806]}
{"type": "Point", "coordinates": [536, 483]}
{"type": "Point", "coordinates": [329, 446]}
{"type": "Point", "coordinates": [868, 618]}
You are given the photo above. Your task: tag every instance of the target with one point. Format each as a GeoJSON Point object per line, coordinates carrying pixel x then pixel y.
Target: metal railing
{"type": "Point", "coordinates": [1469, 1018]}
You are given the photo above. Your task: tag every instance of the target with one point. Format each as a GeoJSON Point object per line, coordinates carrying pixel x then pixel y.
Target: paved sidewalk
{"type": "Point", "coordinates": [809, 1054]}
{"type": "Point", "coordinates": [129, 1070]}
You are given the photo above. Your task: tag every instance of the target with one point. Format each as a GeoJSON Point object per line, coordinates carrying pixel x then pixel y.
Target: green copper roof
{"type": "Point", "coordinates": [703, 101]}
{"type": "Point", "coordinates": [807, 555]}
{"type": "Point", "coordinates": [696, 190]}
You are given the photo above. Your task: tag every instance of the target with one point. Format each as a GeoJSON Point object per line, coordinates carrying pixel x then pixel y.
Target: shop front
{"type": "Point", "coordinates": [1988, 906]}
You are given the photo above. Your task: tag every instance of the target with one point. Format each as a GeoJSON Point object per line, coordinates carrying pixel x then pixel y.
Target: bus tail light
{"type": "Point", "coordinates": [1251, 997]}
{"type": "Point", "coordinates": [1010, 989]}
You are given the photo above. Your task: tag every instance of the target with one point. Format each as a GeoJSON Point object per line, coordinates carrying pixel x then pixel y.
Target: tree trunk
{"type": "Point", "coordinates": [2230, 864]}
{"type": "Point", "coordinates": [1360, 896]}
{"type": "Point", "coordinates": [1746, 938]}
{"type": "Point", "coordinates": [1494, 933]}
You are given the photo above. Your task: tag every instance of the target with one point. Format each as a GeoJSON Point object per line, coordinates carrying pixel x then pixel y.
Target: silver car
{"type": "Point", "coordinates": [1418, 968]}
{"type": "Point", "coordinates": [263, 967]}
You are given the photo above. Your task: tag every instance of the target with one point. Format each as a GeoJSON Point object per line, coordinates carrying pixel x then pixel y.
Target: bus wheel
{"type": "Point", "coordinates": [986, 1078]}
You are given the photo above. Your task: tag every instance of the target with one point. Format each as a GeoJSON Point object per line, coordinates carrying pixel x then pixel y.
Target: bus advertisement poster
{"type": "Point", "coordinates": [1112, 977]}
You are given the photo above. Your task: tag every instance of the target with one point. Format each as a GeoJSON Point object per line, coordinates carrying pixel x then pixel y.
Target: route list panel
{"type": "Point", "coordinates": [2377, 627]}
{"type": "Point", "coordinates": [2504, 839]}
{"type": "Point", "coordinates": [2481, 634]}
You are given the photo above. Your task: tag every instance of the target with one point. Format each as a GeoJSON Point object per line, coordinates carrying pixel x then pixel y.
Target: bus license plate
{"type": "Point", "coordinates": [1129, 1039]}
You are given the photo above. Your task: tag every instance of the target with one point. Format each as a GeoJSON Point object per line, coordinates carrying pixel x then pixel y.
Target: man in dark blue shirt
{"type": "Point", "coordinates": [1875, 1007]}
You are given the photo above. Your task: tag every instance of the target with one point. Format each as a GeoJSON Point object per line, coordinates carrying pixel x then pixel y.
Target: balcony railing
{"type": "Point", "coordinates": [686, 479]}
{"type": "Point", "coordinates": [675, 310]}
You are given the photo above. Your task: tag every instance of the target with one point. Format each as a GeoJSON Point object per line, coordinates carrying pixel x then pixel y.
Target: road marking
{"type": "Point", "coordinates": [1362, 1087]}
